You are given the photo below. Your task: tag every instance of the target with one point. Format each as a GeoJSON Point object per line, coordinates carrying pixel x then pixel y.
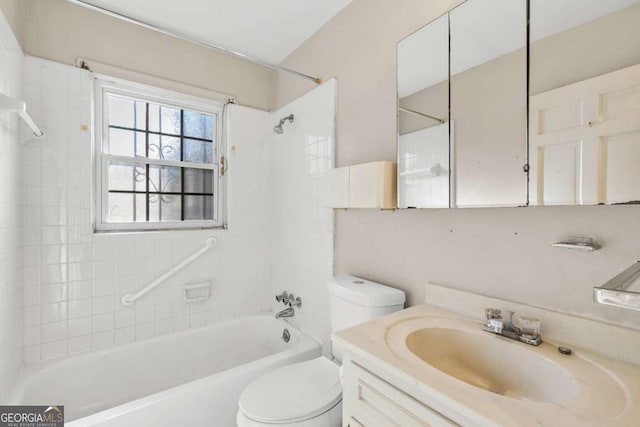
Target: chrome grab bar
{"type": "Point", "coordinates": [129, 299]}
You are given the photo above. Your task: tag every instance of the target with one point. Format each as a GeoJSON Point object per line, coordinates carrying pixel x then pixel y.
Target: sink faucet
{"type": "Point", "coordinates": [287, 312]}
{"type": "Point", "coordinates": [508, 325]}
{"type": "Point", "coordinates": [506, 328]}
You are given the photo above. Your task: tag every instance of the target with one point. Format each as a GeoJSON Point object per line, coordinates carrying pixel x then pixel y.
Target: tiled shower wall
{"type": "Point", "coordinates": [10, 214]}
{"type": "Point", "coordinates": [303, 222]}
{"type": "Point", "coordinates": [74, 279]}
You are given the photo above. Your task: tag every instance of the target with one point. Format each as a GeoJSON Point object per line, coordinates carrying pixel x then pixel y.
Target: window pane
{"type": "Point", "coordinates": [137, 192]}
{"type": "Point", "coordinates": [164, 207]}
{"type": "Point", "coordinates": [198, 207]}
{"type": "Point", "coordinates": [126, 177]}
{"type": "Point", "coordinates": [164, 119]}
{"type": "Point", "coordinates": [198, 180]}
{"type": "Point", "coordinates": [120, 207]}
{"type": "Point", "coordinates": [126, 143]}
{"type": "Point", "coordinates": [164, 147]}
{"type": "Point", "coordinates": [164, 179]}
{"type": "Point", "coordinates": [140, 208]}
{"type": "Point", "coordinates": [126, 112]}
{"type": "Point", "coordinates": [198, 125]}
{"type": "Point", "coordinates": [198, 151]}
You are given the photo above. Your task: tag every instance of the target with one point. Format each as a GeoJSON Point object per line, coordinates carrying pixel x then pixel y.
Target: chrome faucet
{"type": "Point", "coordinates": [287, 312]}
{"type": "Point", "coordinates": [508, 329]}
{"type": "Point", "coordinates": [509, 326]}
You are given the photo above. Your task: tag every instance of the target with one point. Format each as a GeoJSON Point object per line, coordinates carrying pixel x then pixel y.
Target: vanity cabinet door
{"type": "Point", "coordinates": [370, 401]}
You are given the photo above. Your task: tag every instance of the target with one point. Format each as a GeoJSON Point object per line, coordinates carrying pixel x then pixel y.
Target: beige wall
{"type": "Point", "coordinates": [595, 48]}
{"type": "Point", "coordinates": [60, 31]}
{"type": "Point", "coordinates": [13, 11]}
{"type": "Point", "coordinates": [500, 252]}
{"type": "Point", "coordinates": [358, 46]}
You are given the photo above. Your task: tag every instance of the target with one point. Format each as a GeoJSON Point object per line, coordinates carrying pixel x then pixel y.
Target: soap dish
{"type": "Point", "coordinates": [579, 243]}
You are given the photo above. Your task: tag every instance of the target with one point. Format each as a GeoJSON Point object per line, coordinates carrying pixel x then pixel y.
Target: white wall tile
{"type": "Point", "coordinates": [103, 339]}
{"type": "Point", "coordinates": [125, 335]}
{"type": "Point", "coordinates": [78, 344]}
{"type": "Point", "coordinates": [56, 331]}
{"type": "Point", "coordinates": [303, 222]}
{"type": "Point", "coordinates": [79, 327]}
{"type": "Point", "coordinates": [11, 218]}
{"type": "Point", "coordinates": [54, 349]}
{"type": "Point", "coordinates": [82, 275]}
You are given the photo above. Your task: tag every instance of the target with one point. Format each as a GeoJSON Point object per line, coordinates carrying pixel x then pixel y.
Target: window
{"type": "Point", "coordinates": [157, 158]}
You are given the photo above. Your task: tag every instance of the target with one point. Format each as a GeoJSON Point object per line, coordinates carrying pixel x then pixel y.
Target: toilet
{"type": "Point", "coordinates": [309, 393]}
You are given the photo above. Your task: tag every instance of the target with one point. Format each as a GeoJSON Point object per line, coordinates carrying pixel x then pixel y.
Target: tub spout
{"type": "Point", "coordinates": [287, 312]}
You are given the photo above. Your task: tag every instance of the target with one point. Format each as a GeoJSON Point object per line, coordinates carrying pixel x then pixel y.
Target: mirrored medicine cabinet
{"type": "Point", "coordinates": [493, 112]}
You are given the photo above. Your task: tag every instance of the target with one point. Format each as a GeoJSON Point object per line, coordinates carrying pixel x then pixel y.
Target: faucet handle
{"type": "Point", "coordinates": [283, 298]}
{"type": "Point", "coordinates": [530, 326]}
{"type": "Point", "coordinates": [493, 313]}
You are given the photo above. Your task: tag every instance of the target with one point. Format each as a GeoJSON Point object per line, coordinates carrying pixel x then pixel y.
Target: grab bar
{"type": "Point", "coordinates": [128, 299]}
{"type": "Point", "coordinates": [15, 105]}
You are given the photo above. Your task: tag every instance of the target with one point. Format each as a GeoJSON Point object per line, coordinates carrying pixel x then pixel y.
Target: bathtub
{"type": "Point", "coordinates": [192, 378]}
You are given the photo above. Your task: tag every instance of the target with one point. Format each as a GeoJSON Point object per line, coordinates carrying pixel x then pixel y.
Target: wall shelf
{"type": "Point", "coordinates": [616, 291]}
{"type": "Point", "coordinates": [586, 244]}
{"type": "Point", "coordinates": [9, 104]}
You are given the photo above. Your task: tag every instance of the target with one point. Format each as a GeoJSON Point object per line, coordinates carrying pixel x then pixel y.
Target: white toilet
{"type": "Point", "coordinates": [309, 393]}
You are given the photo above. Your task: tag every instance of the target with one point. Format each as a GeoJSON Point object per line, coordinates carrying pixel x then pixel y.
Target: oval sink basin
{"type": "Point", "coordinates": [492, 364]}
{"type": "Point", "coordinates": [452, 354]}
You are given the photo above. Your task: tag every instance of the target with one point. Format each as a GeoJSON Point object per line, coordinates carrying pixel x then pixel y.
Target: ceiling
{"type": "Point", "coordinates": [478, 35]}
{"type": "Point", "coordinates": [266, 30]}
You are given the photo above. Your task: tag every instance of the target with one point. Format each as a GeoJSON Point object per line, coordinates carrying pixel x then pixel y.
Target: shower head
{"type": "Point", "coordinates": [278, 128]}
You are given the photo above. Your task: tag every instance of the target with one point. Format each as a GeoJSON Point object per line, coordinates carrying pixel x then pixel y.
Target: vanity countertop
{"type": "Point", "coordinates": [604, 391]}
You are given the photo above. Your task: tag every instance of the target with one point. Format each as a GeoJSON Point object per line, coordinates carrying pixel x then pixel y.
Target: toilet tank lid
{"type": "Point", "coordinates": [364, 292]}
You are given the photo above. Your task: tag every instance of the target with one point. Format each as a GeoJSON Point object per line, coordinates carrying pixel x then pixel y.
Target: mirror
{"type": "Point", "coordinates": [584, 123]}
{"type": "Point", "coordinates": [489, 102]}
{"type": "Point", "coordinates": [469, 149]}
{"type": "Point", "coordinates": [423, 125]}
{"type": "Point", "coordinates": [464, 138]}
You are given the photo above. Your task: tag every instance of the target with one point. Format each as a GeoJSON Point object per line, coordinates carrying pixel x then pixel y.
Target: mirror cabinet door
{"type": "Point", "coordinates": [423, 125]}
{"type": "Point", "coordinates": [584, 106]}
{"type": "Point", "coordinates": [489, 102]}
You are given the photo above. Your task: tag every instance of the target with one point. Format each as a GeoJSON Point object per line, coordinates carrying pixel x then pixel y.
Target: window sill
{"type": "Point", "coordinates": [155, 231]}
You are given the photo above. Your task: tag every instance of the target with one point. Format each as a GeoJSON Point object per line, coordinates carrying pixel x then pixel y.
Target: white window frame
{"type": "Point", "coordinates": [109, 85]}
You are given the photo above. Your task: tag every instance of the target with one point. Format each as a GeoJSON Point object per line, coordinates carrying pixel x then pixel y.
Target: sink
{"type": "Point", "coordinates": [455, 355]}
{"type": "Point", "coordinates": [493, 364]}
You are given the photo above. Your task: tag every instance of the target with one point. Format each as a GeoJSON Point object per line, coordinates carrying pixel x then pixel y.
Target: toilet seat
{"type": "Point", "coordinates": [292, 393]}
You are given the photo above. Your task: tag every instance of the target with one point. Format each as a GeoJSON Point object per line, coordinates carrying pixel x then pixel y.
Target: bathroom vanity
{"type": "Point", "coordinates": [431, 366]}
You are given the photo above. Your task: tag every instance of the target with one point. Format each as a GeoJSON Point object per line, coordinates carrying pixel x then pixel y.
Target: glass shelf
{"type": "Point", "coordinates": [618, 291]}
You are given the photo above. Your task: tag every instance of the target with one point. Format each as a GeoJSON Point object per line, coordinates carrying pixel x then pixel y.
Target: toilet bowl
{"type": "Point", "coordinates": [302, 394]}
{"type": "Point", "coordinates": [309, 394]}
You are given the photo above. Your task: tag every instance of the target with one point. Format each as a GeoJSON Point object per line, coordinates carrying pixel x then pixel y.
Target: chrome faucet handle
{"type": "Point", "coordinates": [283, 298]}
{"type": "Point", "coordinates": [511, 313]}
{"type": "Point", "coordinates": [493, 313]}
{"type": "Point", "coordinates": [297, 302]}
{"type": "Point", "coordinates": [494, 321]}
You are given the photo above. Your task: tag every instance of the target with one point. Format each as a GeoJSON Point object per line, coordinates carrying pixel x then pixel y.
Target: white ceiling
{"type": "Point", "coordinates": [267, 30]}
{"type": "Point", "coordinates": [482, 30]}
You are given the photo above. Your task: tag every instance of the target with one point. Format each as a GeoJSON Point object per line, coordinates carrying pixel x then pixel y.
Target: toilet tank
{"type": "Point", "coordinates": [354, 300]}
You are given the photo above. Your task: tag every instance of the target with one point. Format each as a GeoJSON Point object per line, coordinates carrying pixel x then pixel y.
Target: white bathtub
{"type": "Point", "coordinates": [193, 378]}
